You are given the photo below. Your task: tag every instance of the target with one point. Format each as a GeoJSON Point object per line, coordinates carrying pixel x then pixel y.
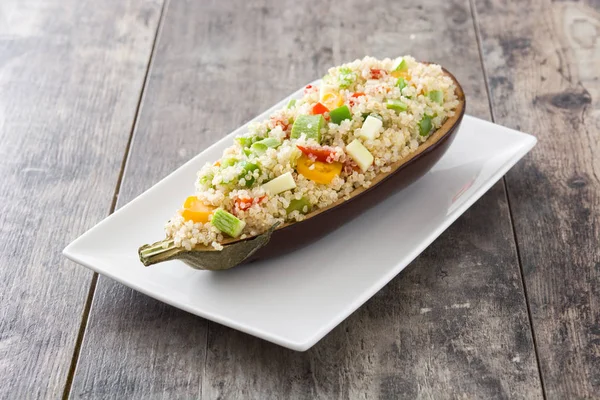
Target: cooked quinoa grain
{"type": "Point", "coordinates": [389, 107]}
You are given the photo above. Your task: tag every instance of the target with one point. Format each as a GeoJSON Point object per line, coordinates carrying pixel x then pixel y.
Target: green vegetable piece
{"type": "Point", "coordinates": [339, 114]}
{"type": "Point", "coordinates": [308, 125]}
{"type": "Point", "coordinates": [298, 205]}
{"type": "Point", "coordinates": [206, 180]}
{"type": "Point", "coordinates": [346, 77]}
{"type": "Point", "coordinates": [248, 167]}
{"type": "Point", "coordinates": [401, 83]}
{"type": "Point", "coordinates": [425, 125]}
{"type": "Point", "coordinates": [248, 152]}
{"type": "Point", "coordinates": [436, 96]}
{"type": "Point", "coordinates": [260, 147]}
{"type": "Point", "coordinates": [291, 103]}
{"type": "Point", "coordinates": [228, 162]}
{"type": "Point", "coordinates": [227, 223]}
{"type": "Point", "coordinates": [396, 105]}
{"type": "Point", "coordinates": [402, 66]}
{"type": "Point", "coordinates": [245, 141]}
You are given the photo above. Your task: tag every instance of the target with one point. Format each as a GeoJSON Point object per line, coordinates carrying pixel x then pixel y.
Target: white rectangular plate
{"type": "Point", "coordinates": [297, 299]}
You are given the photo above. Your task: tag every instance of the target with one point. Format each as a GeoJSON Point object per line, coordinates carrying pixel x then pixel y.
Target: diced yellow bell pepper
{"type": "Point", "coordinates": [330, 97]}
{"type": "Point", "coordinates": [332, 100]}
{"type": "Point", "coordinates": [195, 210]}
{"type": "Point", "coordinates": [321, 172]}
{"type": "Point", "coordinates": [398, 74]}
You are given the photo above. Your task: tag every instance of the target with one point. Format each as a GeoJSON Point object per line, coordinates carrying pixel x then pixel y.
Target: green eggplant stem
{"type": "Point", "coordinates": [158, 252]}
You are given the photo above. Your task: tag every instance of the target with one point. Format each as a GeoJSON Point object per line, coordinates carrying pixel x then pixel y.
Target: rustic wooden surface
{"type": "Point", "coordinates": [543, 66]}
{"type": "Point", "coordinates": [393, 347]}
{"type": "Point", "coordinates": [70, 77]}
{"type": "Point", "coordinates": [457, 323]}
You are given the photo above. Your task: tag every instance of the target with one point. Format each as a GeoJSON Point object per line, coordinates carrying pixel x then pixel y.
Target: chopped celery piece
{"type": "Point", "coordinates": [346, 77]}
{"type": "Point", "coordinates": [228, 162]}
{"type": "Point", "coordinates": [299, 205]}
{"type": "Point", "coordinates": [291, 103]}
{"type": "Point", "coordinates": [260, 147]}
{"type": "Point", "coordinates": [245, 141]}
{"type": "Point", "coordinates": [247, 152]}
{"type": "Point", "coordinates": [370, 127]}
{"type": "Point", "coordinates": [360, 154]}
{"type": "Point", "coordinates": [401, 83]}
{"type": "Point", "coordinates": [248, 168]}
{"type": "Point", "coordinates": [308, 125]}
{"type": "Point", "coordinates": [339, 114]}
{"type": "Point", "coordinates": [227, 223]}
{"type": "Point", "coordinates": [280, 184]}
{"type": "Point", "coordinates": [425, 125]}
{"type": "Point", "coordinates": [206, 180]}
{"type": "Point", "coordinates": [400, 65]}
{"type": "Point", "coordinates": [436, 96]}
{"type": "Point", "coordinates": [396, 105]}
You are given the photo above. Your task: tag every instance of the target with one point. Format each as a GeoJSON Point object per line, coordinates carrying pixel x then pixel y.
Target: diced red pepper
{"type": "Point", "coordinates": [244, 203]}
{"type": "Point", "coordinates": [356, 95]}
{"type": "Point", "coordinates": [323, 154]}
{"type": "Point", "coordinates": [376, 73]}
{"type": "Point", "coordinates": [319, 109]}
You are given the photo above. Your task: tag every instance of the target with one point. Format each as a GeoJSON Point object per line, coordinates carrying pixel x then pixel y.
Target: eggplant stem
{"type": "Point", "coordinates": [159, 251]}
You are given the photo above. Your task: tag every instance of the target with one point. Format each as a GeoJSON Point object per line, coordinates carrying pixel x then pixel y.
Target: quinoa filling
{"type": "Point", "coordinates": [363, 117]}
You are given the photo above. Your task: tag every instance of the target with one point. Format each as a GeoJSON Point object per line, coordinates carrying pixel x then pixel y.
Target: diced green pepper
{"type": "Point", "coordinates": [339, 114]}
{"type": "Point", "coordinates": [248, 168]}
{"type": "Point", "coordinates": [299, 205]}
{"type": "Point", "coordinates": [396, 105]}
{"type": "Point", "coordinates": [291, 103]}
{"type": "Point", "coordinates": [260, 147]}
{"type": "Point", "coordinates": [401, 83]}
{"type": "Point", "coordinates": [436, 96]}
{"type": "Point", "coordinates": [308, 125]}
{"type": "Point", "coordinates": [227, 223]}
{"type": "Point", "coordinates": [425, 125]}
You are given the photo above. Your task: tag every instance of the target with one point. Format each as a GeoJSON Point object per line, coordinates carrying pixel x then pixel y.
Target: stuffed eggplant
{"type": "Point", "coordinates": [365, 122]}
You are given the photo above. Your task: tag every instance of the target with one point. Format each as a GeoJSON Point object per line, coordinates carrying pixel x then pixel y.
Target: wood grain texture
{"type": "Point", "coordinates": [543, 63]}
{"type": "Point", "coordinates": [453, 325]}
{"type": "Point", "coordinates": [70, 76]}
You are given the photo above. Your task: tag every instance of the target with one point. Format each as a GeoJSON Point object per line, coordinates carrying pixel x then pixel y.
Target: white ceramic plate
{"type": "Point", "coordinates": [297, 299]}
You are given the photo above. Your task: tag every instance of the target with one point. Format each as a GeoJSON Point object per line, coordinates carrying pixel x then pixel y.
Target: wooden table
{"type": "Point", "coordinates": [101, 99]}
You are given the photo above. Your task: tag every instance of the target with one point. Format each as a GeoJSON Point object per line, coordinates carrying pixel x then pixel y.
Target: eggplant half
{"type": "Point", "coordinates": [290, 236]}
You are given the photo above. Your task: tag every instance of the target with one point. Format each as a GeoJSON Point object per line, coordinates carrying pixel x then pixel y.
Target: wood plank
{"type": "Point", "coordinates": [70, 76]}
{"type": "Point", "coordinates": [543, 63]}
{"type": "Point", "coordinates": [453, 325]}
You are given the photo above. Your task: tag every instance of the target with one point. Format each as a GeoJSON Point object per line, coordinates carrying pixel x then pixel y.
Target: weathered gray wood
{"type": "Point", "coordinates": [543, 65]}
{"type": "Point", "coordinates": [70, 76]}
{"type": "Point", "coordinates": [453, 325]}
